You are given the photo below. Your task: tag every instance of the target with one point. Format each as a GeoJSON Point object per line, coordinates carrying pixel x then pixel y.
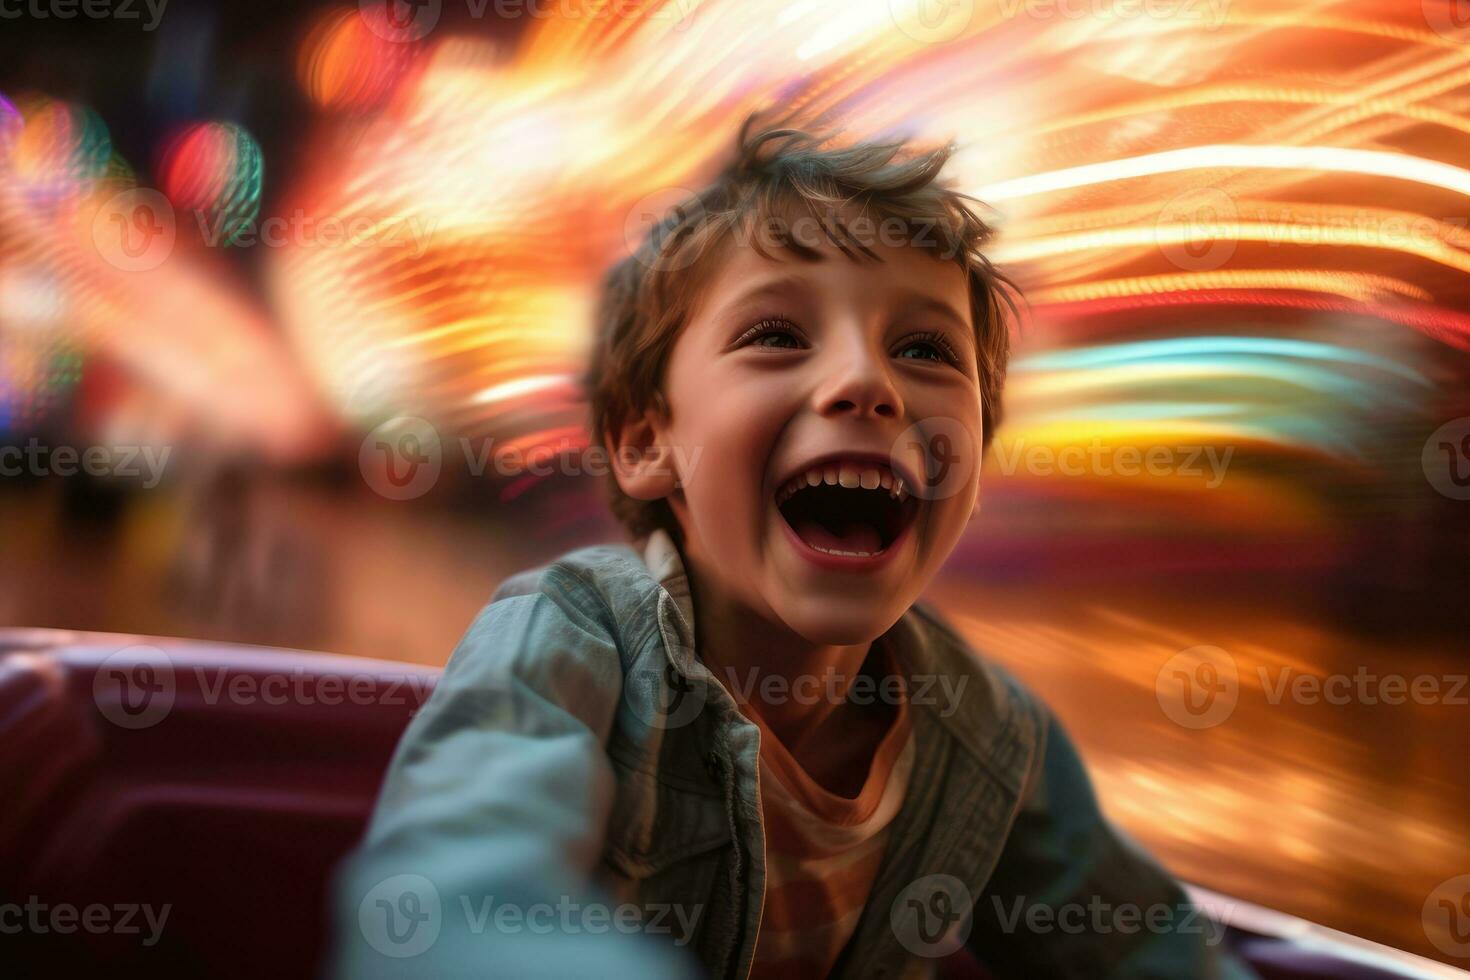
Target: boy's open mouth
{"type": "Point", "coordinates": [845, 506]}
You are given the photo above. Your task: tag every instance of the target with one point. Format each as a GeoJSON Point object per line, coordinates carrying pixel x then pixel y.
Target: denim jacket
{"type": "Point", "coordinates": [580, 797]}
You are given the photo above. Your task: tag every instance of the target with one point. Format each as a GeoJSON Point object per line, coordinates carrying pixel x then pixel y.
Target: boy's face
{"type": "Point", "coordinates": [843, 368]}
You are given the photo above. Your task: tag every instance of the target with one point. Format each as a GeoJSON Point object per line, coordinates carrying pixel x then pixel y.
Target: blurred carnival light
{"type": "Point", "coordinates": [1159, 170]}
{"type": "Point", "coordinates": [348, 65]}
{"type": "Point", "coordinates": [1127, 195]}
{"type": "Point", "coordinates": [92, 270]}
{"type": "Point", "coordinates": [214, 171]}
{"type": "Point", "coordinates": [58, 152]}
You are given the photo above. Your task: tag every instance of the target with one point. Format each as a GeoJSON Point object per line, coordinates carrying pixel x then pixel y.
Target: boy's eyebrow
{"type": "Point", "coordinates": [910, 300]}
{"type": "Point", "coordinates": [771, 288]}
{"type": "Point", "coordinates": [924, 301]}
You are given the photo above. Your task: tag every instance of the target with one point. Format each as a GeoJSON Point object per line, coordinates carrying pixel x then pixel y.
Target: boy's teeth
{"type": "Point", "coordinates": [833, 551]}
{"type": "Point", "coordinates": [846, 475]}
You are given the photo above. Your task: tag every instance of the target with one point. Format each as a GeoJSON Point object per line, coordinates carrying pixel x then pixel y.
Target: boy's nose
{"type": "Point", "coordinates": [860, 387]}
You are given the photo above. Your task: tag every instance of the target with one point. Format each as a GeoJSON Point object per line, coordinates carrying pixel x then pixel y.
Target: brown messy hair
{"type": "Point", "coordinates": [647, 297]}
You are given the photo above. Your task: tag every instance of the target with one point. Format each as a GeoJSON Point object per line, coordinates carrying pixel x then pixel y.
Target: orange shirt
{"type": "Point", "coordinates": [822, 852]}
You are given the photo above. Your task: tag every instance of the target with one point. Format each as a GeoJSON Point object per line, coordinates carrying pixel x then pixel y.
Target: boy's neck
{"type": "Point", "coordinates": [798, 688]}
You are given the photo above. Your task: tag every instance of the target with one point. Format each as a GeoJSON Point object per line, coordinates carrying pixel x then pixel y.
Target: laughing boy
{"type": "Point", "coordinates": [740, 747]}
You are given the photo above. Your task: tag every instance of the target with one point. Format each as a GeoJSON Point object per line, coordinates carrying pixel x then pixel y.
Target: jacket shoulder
{"type": "Point", "coordinates": [606, 582]}
{"type": "Point", "coordinates": [996, 718]}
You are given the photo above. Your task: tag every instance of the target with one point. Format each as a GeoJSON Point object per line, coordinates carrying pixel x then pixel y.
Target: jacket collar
{"type": "Point", "coordinates": [666, 566]}
{"type": "Point", "coordinates": [960, 801]}
{"type": "Point", "coordinates": [980, 717]}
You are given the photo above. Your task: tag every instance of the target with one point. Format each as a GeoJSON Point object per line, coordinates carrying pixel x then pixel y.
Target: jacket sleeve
{"type": "Point", "coordinates": [479, 857]}
{"type": "Point", "coordinates": [1072, 896]}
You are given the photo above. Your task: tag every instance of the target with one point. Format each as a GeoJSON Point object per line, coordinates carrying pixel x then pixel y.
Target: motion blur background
{"type": "Point", "coordinates": [312, 284]}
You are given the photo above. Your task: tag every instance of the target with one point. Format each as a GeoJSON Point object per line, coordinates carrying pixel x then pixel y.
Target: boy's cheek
{"type": "Point", "coordinates": [946, 523]}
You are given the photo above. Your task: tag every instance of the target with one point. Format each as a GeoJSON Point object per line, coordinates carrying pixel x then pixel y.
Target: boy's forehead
{"type": "Point", "coordinates": [746, 271]}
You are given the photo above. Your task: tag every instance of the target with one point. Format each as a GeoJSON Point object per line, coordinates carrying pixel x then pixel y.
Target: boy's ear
{"type": "Point", "coordinates": [641, 461]}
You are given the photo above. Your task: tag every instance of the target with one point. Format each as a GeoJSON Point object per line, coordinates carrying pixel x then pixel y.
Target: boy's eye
{"type": "Point", "coordinates": [776, 338]}
{"type": "Point", "coordinates": [924, 351]}
{"type": "Point", "coordinates": [927, 347]}
{"type": "Point", "coordinates": [772, 334]}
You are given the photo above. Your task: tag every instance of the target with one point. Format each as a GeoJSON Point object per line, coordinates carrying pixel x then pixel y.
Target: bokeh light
{"type": "Point", "coordinates": [345, 64]}
{"type": "Point", "coordinates": [59, 152]}
{"type": "Point", "coordinates": [214, 171]}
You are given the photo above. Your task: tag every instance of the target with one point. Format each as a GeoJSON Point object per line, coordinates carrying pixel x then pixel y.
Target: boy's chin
{"type": "Point", "coordinates": [842, 623]}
